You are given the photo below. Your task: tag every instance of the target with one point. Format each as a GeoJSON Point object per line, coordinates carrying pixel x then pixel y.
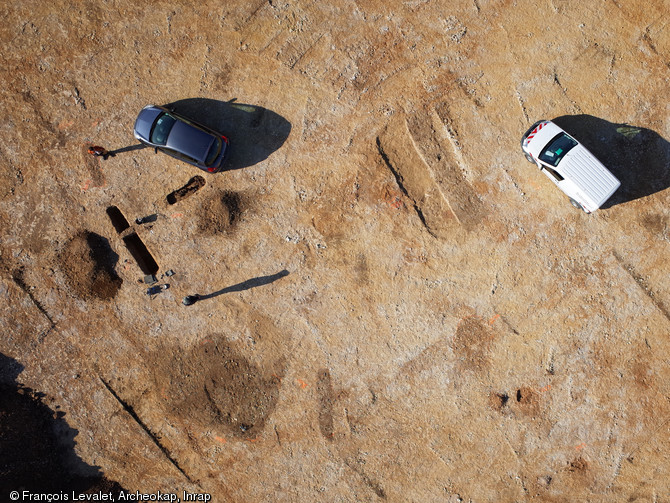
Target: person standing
{"type": "Point", "coordinates": [189, 300]}
{"type": "Point", "coordinates": [99, 151]}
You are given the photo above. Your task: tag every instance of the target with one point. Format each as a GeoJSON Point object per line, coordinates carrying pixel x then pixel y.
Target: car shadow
{"type": "Point", "coordinates": [248, 284]}
{"type": "Point", "coordinates": [254, 132]}
{"type": "Point", "coordinates": [37, 444]}
{"type": "Point", "coordinates": [637, 156]}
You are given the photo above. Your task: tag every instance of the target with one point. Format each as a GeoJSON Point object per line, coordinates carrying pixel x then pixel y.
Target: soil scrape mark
{"type": "Point", "coordinates": [399, 181]}
{"type": "Point", "coordinates": [129, 409]}
{"type": "Point", "coordinates": [17, 276]}
{"type": "Point", "coordinates": [472, 343]}
{"type": "Point", "coordinates": [644, 286]}
{"type": "Point", "coordinates": [355, 465]}
{"type": "Point", "coordinates": [324, 388]}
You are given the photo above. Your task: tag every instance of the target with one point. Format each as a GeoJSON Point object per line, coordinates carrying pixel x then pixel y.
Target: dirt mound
{"type": "Point", "coordinates": [220, 214]}
{"type": "Point", "coordinates": [88, 261]}
{"type": "Point", "coordinates": [215, 384]}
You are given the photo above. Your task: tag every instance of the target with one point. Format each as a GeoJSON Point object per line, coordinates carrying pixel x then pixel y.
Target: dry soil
{"type": "Point", "coordinates": [395, 305]}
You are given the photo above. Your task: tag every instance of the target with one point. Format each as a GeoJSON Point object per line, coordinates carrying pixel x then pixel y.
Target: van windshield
{"type": "Point", "coordinates": [560, 145]}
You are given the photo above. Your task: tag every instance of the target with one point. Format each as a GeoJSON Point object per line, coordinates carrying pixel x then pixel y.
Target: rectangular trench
{"type": "Point", "coordinates": [140, 253]}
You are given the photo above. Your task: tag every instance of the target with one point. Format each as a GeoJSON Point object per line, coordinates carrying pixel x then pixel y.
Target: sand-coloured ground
{"type": "Point", "coordinates": [395, 305]}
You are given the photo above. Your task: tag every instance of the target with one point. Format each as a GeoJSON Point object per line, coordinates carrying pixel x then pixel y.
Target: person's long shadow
{"type": "Point", "coordinates": [248, 284]}
{"type": "Point", "coordinates": [37, 444]}
{"type": "Point", "coordinates": [129, 148]}
{"type": "Point", "coordinates": [254, 132]}
{"type": "Point", "coordinates": [637, 156]}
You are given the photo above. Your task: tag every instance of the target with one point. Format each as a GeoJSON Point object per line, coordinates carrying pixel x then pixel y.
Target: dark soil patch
{"type": "Point", "coordinates": [88, 262]}
{"type": "Point", "coordinates": [221, 214]}
{"type": "Point", "coordinates": [578, 465]}
{"type": "Point", "coordinates": [528, 401]}
{"type": "Point", "coordinates": [324, 389]}
{"type": "Point", "coordinates": [215, 384]}
{"type": "Point", "coordinates": [472, 343]}
{"type": "Point", "coordinates": [191, 187]}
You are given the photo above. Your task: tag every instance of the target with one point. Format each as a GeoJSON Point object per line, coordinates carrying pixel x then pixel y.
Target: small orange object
{"type": "Point", "coordinates": [494, 318]}
{"type": "Point", "coordinates": [396, 203]}
{"type": "Point", "coordinates": [86, 185]}
{"type": "Point", "coordinates": [220, 439]}
{"type": "Point", "coordinates": [177, 215]}
{"type": "Point", "coordinates": [302, 383]}
{"type": "Point", "coordinates": [581, 446]}
{"type": "Point", "coordinates": [64, 124]}
{"type": "Point", "coordinates": [546, 388]}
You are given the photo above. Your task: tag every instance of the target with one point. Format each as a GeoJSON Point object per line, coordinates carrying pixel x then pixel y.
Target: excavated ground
{"type": "Point", "coordinates": [395, 304]}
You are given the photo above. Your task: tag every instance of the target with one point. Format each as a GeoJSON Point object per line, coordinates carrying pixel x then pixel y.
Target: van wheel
{"type": "Point", "coordinates": [576, 204]}
{"type": "Point", "coordinates": [528, 157]}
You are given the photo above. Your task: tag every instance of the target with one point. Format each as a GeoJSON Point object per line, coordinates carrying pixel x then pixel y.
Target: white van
{"type": "Point", "coordinates": [569, 165]}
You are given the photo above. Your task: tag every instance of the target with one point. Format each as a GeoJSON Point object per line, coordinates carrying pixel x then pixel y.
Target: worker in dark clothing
{"type": "Point", "coordinates": [189, 300]}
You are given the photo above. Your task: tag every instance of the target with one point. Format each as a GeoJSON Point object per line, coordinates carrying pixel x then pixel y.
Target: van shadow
{"type": "Point", "coordinates": [254, 132]}
{"type": "Point", "coordinates": [638, 157]}
{"type": "Point", "coordinates": [37, 444]}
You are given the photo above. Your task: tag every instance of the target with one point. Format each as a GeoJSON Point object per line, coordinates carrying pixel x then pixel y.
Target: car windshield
{"type": "Point", "coordinates": [161, 129]}
{"type": "Point", "coordinates": [557, 148]}
{"type": "Point", "coordinates": [213, 152]}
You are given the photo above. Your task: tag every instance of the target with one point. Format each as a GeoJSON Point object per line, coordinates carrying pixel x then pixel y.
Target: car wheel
{"type": "Point", "coordinates": [528, 157]}
{"type": "Point", "coordinates": [576, 204]}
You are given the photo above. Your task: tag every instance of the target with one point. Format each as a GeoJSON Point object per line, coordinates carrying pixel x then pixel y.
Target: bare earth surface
{"type": "Point", "coordinates": [397, 306]}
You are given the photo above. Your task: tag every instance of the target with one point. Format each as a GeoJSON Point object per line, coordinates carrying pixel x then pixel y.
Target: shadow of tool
{"type": "Point", "coordinates": [129, 148]}
{"type": "Point", "coordinates": [37, 444]}
{"type": "Point", "coordinates": [248, 284]}
{"type": "Point", "coordinates": [254, 132]}
{"type": "Point", "coordinates": [638, 157]}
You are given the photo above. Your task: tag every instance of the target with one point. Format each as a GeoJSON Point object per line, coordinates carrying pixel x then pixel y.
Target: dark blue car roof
{"type": "Point", "coordinates": [190, 140]}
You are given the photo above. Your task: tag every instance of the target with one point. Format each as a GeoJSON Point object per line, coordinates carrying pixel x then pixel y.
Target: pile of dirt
{"type": "Point", "coordinates": [88, 262]}
{"type": "Point", "coordinates": [220, 214]}
{"type": "Point", "coordinates": [216, 385]}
